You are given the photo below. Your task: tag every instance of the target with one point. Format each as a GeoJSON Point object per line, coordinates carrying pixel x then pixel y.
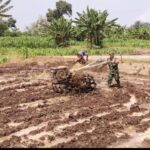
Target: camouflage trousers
{"type": "Point", "coordinates": [112, 76]}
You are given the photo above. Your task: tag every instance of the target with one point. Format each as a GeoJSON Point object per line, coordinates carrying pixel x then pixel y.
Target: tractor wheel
{"type": "Point", "coordinates": [89, 82]}
{"type": "Point", "coordinates": [61, 87]}
{"type": "Point", "coordinates": [61, 75]}
{"type": "Point", "coordinates": [58, 88]}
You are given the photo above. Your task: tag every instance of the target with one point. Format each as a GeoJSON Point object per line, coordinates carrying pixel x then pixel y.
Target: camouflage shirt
{"type": "Point", "coordinates": [113, 67]}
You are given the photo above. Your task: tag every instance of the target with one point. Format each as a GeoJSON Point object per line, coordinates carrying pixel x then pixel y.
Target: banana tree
{"type": "Point", "coordinates": [4, 8]}
{"type": "Point", "coordinates": [61, 31]}
{"type": "Point", "coordinates": [94, 23]}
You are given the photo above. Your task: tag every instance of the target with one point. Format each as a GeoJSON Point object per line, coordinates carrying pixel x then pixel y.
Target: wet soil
{"type": "Point", "coordinates": [32, 115]}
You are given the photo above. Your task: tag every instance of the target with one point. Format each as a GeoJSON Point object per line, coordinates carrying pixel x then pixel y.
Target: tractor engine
{"type": "Point", "coordinates": [64, 81]}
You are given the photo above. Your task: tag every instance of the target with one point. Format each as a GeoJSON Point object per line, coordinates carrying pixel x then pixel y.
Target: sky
{"type": "Point", "coordinates": [127, 11]}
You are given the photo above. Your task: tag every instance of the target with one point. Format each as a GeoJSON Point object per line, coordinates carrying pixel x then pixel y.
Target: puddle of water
{"type": "Point", "coordinates": [3, 79]}
{"type": "Point", "coordinates": [59, 128]}
{"type": "Point", "coordinates": [79, 133]}
{"type": "Point", "coordinates": [31, 104]}
{"type": "Point", "coordinates": [122, 109]}
{"type": "Point", "coordinates": [21, 90]}
{"type": "Point", "coordinates": [28, 130]}
{"type": "Point", "coordinates": [14, 124]}
{"type": "Point", "coordinates": [56, 100]}
{"type": "Point", "coordinates": [40, 102]}
{"type": "Point", "coordinates": [63, 126]}
{"type": "Point", "coordinates": [137, 114]}
{"type": "Point", "coordinates": [56, 142]}
{"type": "Point", "coordinates": [2, 109]}
{"type": "Point", "coordinates": [119, 134]}
{"type": "Point", "coordinates": [147, 106]}
{"type": "Point", "coordinates": [147, 93]}
{"type": "Point", "coordinates": [102, 114]}
{"type": "Point", "coordinates": [135, 141]}
{"type": "Point", "coordinates": [80, 121]}
{"type": "Point", "coordinates": [39, 135]}
{"type": "Point", "coordinates": [65, 140]}
{"type": "Point", "coordinates": [75, 113]}
{"type": "Point", "coordinates": [91, 130]}
{"type": "Point", "coordinates": [113, 122]}
{"type": "Point", "coordinates": [16, 85]}
{"type": "Point", "coordinates": [145, 120]}
{"type": "Point", "coordinates": [132, 101]}
{"type": "Point", "coordinates": [24, 131]}
{"type": "Point", "coordinates": [146, 143]}
{"type": "Point", "coordinates": [66, 115]}
{"type": "Point", "coordinates": [130, 130]}
{"type": "Point", "coordinates": [114, 105]}
{"type": "Point", "coordinates": [4, 138]}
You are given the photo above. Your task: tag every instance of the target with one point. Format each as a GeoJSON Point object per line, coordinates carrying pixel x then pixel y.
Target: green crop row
{"type": "Point", "coordinates": [25, 41]}
{"type": "Point", "coordinates": [45, 42]}
{"type": "Point", "coordinates": [127, 43]}
{"type": "Point", "coordinates": [28, 52]}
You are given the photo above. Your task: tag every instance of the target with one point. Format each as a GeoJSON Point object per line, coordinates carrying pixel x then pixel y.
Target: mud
{"type": "Point", "coordinates": [32, 115]}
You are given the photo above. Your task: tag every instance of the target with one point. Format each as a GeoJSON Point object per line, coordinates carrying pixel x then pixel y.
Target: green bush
{"type": "Point", "coordinates": [3, 59]}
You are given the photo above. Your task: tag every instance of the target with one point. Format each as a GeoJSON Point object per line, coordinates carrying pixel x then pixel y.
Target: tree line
{"type": "Point", "coordinates": [90, 25]}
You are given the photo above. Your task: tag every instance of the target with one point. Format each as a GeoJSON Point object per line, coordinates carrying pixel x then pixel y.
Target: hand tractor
{"type": "Point", "coordinates": [65, 80]}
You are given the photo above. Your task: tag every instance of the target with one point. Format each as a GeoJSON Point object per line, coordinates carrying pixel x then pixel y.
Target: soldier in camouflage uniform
{"type": "Point", "coordinates": [113, 70]}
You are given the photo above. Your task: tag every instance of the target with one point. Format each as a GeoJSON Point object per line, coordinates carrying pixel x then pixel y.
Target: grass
{"type": "Point", "coordinates": [3, 59]}
{"type": "Point", "coordinates": [25, 41]}
{"type": "Point", "coordinates": [135, 43]}
{"type": "Point", "coordinates": [32, 46]}
{"type": "Point", "coordinates": [44, 42]}
{"type": "Point", "coordinates": [23, 52]}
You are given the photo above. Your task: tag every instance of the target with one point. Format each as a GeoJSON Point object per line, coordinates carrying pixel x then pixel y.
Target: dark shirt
{"type": "Point", "coordinates": [83, 53]}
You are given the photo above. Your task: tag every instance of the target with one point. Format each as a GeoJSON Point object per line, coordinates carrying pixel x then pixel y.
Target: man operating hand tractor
{"type": "Point", "coordinates": [82, 57]}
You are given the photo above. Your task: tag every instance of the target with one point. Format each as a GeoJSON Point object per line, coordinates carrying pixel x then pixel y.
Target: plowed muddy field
{"type": "Point", "coordinates": [32, 115]}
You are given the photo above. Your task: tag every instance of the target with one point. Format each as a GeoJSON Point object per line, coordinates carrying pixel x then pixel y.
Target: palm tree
{"type": "Point", "coordinates": [62, 8]}
{"type": "Point", "coordinates": [139, 30]}
{"type": "Point", "coordinates": [94, 23]}
{"type": "Point", "coordinates": [4, 8]}
{"type": "Point", "coordinates": [86, 23]}
{"type": "Point", "coordinates": [116, 32]}
{"type": "Point", "coordinates": [61, 31]}
{"type": "Point", "coordinates": [79, 35]}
